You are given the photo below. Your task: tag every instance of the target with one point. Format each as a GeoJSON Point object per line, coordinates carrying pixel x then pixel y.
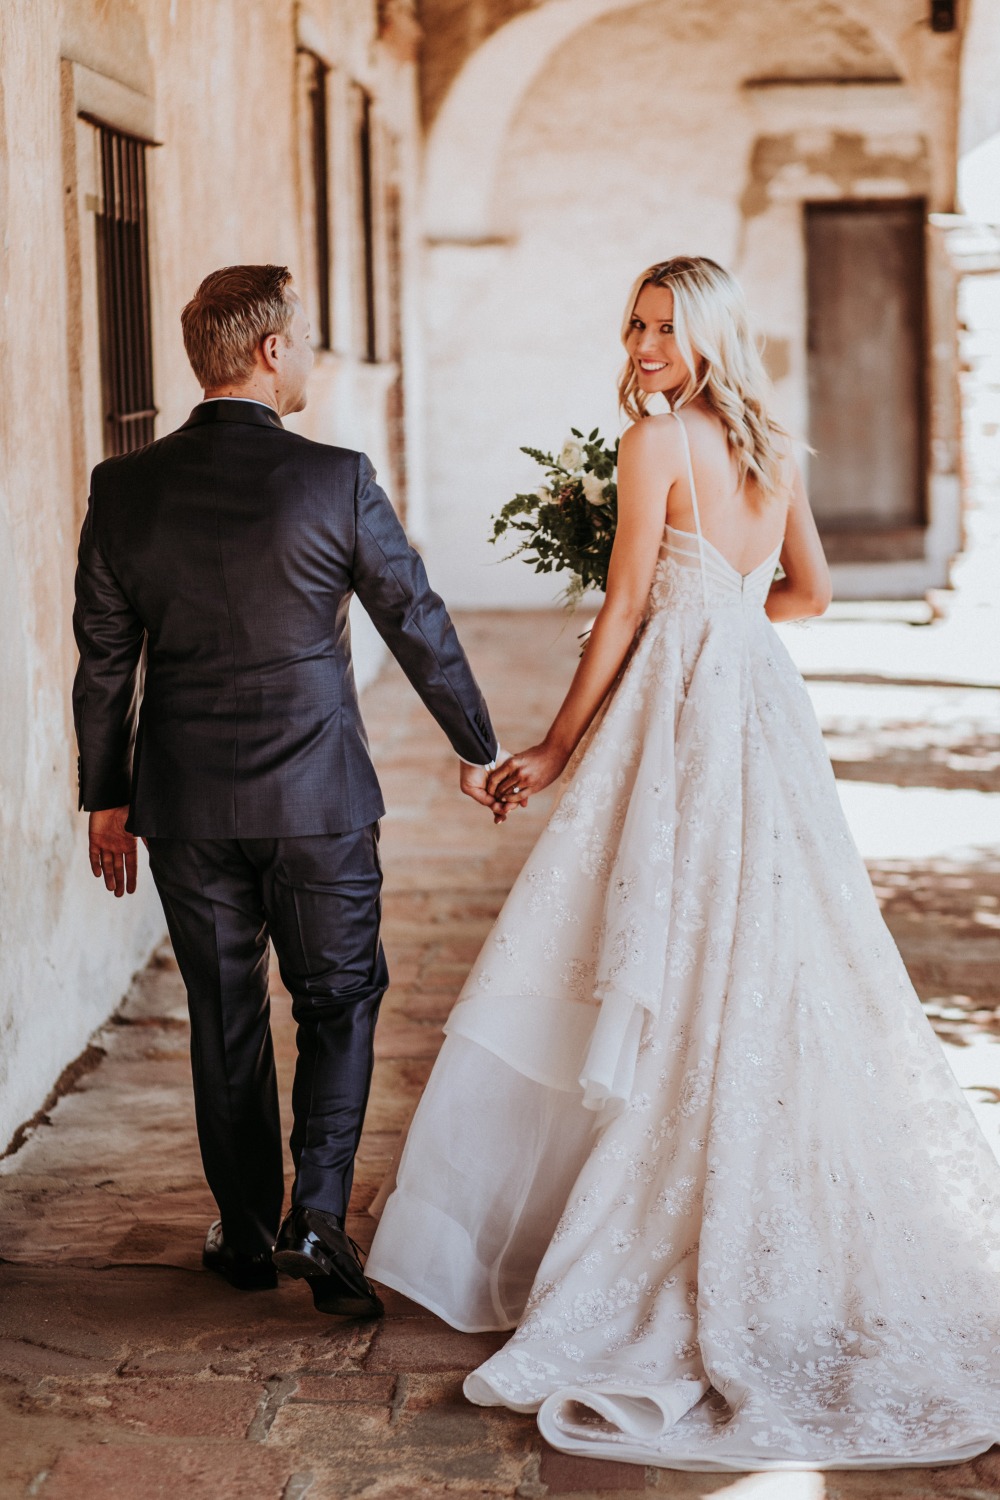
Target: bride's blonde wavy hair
{"type": "Point", "coordinates": [712, 329]}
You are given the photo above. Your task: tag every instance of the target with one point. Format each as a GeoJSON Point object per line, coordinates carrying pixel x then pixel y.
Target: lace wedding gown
{"type": "Point", "coordinates": [690, 1134]}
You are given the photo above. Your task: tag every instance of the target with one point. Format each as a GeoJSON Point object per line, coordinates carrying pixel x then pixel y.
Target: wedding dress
{"type": "Point", "coordinates": [690, 1134]}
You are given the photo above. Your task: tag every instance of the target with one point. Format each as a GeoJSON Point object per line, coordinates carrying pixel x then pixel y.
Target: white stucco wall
{"type": "Point", "coordinates": [634, 140]}
{"type": "Point", "coordinates": [979, 117]}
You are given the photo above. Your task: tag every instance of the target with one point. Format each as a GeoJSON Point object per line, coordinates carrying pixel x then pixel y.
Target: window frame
{"type": "Point", "coordinates": [124, 303]}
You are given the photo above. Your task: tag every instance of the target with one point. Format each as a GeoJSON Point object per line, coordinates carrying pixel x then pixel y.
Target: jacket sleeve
{"type": "Point", "coordinates": [390, 581]}
{"type": "Point", "coordinates": [110, 638]}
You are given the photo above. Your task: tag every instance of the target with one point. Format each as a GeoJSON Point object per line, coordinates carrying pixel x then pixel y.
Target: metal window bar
{"type": "Point", "coordinates": [123, 283]}
{"type": "Point", "coordinates": [396, 395]}
{"type": "Point", "coordinates": [367, 207]}
{"type": "Point", "coordinates": [321, 202]}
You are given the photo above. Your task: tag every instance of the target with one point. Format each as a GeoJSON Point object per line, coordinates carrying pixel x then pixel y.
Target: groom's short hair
{"type": "Point", "coordinates": [229, 317]}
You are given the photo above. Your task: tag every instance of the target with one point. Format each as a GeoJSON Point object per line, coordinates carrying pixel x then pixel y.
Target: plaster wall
{"type": "Point", "coordinates": [215, 85]}
{"type": "Point", "coordinates": [979, 117]}
{"type": "Point", "coordinates": [647, 132]}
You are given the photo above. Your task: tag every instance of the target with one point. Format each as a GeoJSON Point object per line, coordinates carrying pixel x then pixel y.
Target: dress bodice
{"type": "Point", "coordinates": [691, 571]}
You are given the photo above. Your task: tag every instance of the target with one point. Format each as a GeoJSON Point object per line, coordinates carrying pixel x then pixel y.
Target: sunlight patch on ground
{"type": "Point", "coordinates": [921, 823]}
{"type": "Point", "coordinates": [904, 822]}
{"type": "Point", "coordinates": [775, 1486]}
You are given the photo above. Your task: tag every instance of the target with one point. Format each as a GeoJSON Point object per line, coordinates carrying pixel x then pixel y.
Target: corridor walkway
{"type": "Point", "coordinates": [126, 1371]}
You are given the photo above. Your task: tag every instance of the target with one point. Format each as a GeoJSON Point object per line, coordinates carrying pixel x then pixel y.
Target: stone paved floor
{"type": "Point", "coordinates": [127, 1371]}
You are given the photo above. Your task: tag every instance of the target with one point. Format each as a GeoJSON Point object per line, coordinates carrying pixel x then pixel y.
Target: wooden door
{"type": "Point", "coordinates": [865, 289]}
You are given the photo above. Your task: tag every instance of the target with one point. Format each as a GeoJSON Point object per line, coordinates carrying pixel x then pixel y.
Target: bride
{"type": "Point", "coordinates": [690, 1135]}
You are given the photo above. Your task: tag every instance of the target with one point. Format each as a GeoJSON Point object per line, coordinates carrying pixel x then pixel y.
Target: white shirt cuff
{"type": "Point", "coordinates": [490, 765]}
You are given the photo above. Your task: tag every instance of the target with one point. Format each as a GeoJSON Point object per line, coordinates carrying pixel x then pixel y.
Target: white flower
{"type": "Point", "coordinates": [593, 489]}
{"type": "Point", "coordinates": [544, 494]}
{"type": "Point", "coordinates": [571, 456]}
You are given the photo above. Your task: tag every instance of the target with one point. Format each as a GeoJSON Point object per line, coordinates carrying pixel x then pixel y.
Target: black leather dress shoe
{"type": "Point", "coordinates": [248, 1273]}
{"type": "Point", "coordinates": [313, 1245]}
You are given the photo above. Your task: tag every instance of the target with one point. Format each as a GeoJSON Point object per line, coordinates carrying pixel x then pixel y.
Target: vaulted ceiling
{"type": "Point", "coordinates": [853, 39]}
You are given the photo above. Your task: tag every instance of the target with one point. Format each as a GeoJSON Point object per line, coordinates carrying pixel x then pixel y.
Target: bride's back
{"type": "Point", "coordinates": [745, 528]}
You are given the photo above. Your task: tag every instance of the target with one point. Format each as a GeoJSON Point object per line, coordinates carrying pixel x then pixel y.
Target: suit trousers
{"type": "Point", "coordinates": [318, 900]}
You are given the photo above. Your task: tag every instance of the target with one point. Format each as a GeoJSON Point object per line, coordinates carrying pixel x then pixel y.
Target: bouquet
{"type": "Point", "coordinates": [568, 523]}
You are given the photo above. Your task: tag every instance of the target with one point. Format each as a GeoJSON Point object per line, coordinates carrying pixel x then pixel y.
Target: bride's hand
{"type": "Point", "coordinates": [527, 772]}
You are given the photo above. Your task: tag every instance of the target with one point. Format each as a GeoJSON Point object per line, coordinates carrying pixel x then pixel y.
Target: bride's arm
{"type": "Point", "coordinates": [805, 589]}
{"type": "Point", "coordinates": [646, 466]}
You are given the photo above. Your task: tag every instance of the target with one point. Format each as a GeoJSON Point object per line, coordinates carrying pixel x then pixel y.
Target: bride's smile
{"type": "Point", "coordinates": [652, 344]}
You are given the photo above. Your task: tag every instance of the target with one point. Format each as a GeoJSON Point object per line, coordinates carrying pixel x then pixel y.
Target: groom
{"type": "Point", "coordinates": [215, 576]}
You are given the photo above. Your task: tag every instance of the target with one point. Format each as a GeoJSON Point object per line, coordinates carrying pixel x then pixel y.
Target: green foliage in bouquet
{"type": "Point", "coordinates": [569, 522]}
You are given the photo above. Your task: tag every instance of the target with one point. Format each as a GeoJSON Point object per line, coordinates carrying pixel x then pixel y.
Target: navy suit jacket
{"type": "Point", "coordinates": [215, 690]}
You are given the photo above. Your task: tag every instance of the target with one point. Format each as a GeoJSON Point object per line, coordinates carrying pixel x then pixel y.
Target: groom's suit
{"type": "Point", "coordinates": [223, 558]}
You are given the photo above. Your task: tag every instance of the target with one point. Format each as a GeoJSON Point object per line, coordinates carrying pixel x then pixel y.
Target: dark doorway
{"type": "Point", "coordinates": [865, 289]}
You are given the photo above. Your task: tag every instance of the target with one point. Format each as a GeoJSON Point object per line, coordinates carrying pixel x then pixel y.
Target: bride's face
{"type": "Point", "coordinates": [651, 344]}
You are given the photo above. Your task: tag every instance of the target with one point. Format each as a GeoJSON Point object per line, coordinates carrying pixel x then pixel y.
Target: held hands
{"type": "Point", "coordinates": [113, 850]}
{"type": "Point", "coordinates": [525, 773]}
{"type": "Point", "coordinates": [472, 781]}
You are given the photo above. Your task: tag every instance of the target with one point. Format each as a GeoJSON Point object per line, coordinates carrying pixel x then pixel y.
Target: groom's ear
{"type": "Point", "coordinates": [269, 350]}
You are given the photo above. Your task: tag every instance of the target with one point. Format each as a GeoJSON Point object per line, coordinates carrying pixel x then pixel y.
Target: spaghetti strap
{"type": "Point", "coordinates": [694, 507]}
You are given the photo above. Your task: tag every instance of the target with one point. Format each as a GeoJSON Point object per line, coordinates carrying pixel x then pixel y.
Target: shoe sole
{"type": "Point", "coordinates": [348, 1307]}
{"type": "Point", "coordinates": [302, 1263]}
{"type": "Point", "coordinates": [311, 1266]}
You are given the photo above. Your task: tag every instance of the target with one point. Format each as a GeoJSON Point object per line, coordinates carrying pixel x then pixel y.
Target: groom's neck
{"type": "Point", "coordinates": [257, 388]}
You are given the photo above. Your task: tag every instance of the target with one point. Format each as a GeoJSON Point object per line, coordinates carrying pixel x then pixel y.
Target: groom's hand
{"type": "Point", "coordinates": [472, 780]}
{"type": "Point", "coordinates": [113, 850]}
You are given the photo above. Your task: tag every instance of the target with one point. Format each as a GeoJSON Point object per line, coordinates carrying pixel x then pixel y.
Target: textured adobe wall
{"type": "Point", "coordinates": [66, 955]}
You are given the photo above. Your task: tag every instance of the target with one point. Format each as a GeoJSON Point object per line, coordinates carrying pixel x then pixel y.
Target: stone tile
{"type": "Point", "coordinates": [427, 1344]}
{"type": "Point", "coordinates": [25, 1360]}
{"type": "Point", "coordinates": [163, 1471]}
{"type": "Point", "coordinates": [371, 1453]}
{"type": "Point", "coordinates": [368, 1390]}
{"type": "Point", "coordinates": [161, 1405]}
{"type": "Point", "coordinates": [355, 1427]}
{"type": "Point", "coordinates": [340, 1349]}
{"type": "Point", "coordinates": [564, 1474]}
{"type": "Point", "coordinates": [433, 1415]}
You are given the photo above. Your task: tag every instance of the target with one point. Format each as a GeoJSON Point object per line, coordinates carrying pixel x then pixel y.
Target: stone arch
{"type": "Point", "coordinates": [467, 138]}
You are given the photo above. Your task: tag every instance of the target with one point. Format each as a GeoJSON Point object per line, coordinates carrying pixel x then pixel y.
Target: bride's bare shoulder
{"type": "Point", "coordinates": [651, 438]}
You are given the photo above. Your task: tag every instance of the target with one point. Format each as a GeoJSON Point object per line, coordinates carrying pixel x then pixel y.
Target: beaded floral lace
{"type": "Point", "coordinates": [690, 1134]}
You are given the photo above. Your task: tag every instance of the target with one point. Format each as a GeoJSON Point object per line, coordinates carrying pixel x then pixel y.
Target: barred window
{"type": "Point", "coordinates": [319, 172]}
{"type": "Point", "coordinates": [366, 211]}
{"type": "Point", "coordinates": [396, 394]}
{"type": "Point", "coordinates": [123, 292]}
